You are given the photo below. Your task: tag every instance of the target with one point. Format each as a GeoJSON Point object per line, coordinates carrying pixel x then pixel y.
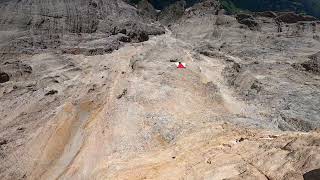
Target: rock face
{"type": "Point", "coordinates": [172, 13]}
{"type": "Point", "coordinates": [145, 9]}
{"type": "Point", "coordinates": [53, 24]}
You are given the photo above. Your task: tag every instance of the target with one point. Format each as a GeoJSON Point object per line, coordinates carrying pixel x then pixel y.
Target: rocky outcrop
{"type": "Point", "coordinates": [315, 56]}
{"type": "Point", "coordinates": [204, 8]}
{"type": "Point", "coordinates": [312, 65]}
{"type": "Point", "coordinates": [291, 17]}
{"type": "Point", "coordinates": [137, 31]}
{"type": "Point", "coordinates": [269, 14]}
{"type": "Point", "coordinates": [285, 17]}
{"type": "Point", "coordinates": [14, 70]}
{"type": "Point", "coordinates": [145, 9]}
{"type": "Point", "coordinates": [172, 13]}
{"type": "Point", "coordinates": [248, 20]}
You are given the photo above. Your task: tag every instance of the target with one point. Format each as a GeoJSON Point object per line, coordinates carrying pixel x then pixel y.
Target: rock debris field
{"type": "Point", "coordinates": [90, 90]}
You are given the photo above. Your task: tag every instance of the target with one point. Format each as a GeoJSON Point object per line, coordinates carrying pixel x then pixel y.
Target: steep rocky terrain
{"type": "Point", "coordinates": [75, 27]}
{"type": "Point", "coordinates": [310, 7]}
{"type": "Point", "coordinates": [104, 99]}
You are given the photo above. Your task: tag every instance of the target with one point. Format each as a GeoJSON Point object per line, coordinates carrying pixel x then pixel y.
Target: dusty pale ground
{"type": "Point", "coordinates": [132, 114]}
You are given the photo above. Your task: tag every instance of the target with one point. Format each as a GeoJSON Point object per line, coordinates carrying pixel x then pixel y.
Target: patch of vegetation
{"type": "Point", "coordinates": [229, 6]}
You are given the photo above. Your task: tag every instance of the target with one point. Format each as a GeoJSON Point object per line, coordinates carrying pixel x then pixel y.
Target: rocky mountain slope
{"type": "Point", "coordinates": [310, 7]}
{"type": "Point", "coordinates": [77, 27]}
{"type": "Point", "coordinates": [246, 106]}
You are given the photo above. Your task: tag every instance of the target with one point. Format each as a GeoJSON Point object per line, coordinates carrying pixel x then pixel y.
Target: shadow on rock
{"type": "Point", "coordinates": [312, 175]}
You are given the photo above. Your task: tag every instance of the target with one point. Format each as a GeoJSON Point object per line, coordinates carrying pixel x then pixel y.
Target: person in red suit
{"type": "Point", "coordinates": [181, 66]}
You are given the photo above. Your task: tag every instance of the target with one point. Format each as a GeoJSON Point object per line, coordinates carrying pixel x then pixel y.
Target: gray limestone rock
{"type": "Point", "coordinates": [50, 24]}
